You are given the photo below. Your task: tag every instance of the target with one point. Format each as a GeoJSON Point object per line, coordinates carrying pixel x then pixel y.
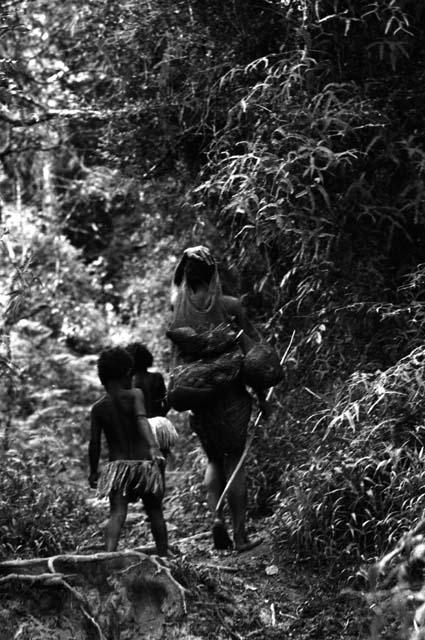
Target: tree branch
{"type": "Point", "coordinates": [37, 118]}
{"type": "Point", "coordinates": [9, 150]}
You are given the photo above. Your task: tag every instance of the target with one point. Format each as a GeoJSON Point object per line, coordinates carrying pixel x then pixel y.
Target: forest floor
{"type": "Point", "coordinates": [263, 593]}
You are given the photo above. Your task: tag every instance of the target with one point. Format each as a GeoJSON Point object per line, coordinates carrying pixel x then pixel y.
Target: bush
{"type": "Point", "coordinates": [364, 485]}
{"type": "Point", "coordinates": [38, 516]}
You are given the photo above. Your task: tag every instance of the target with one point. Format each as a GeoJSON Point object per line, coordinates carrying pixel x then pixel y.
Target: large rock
{"type": "Point", "coordinates": [106, 596]}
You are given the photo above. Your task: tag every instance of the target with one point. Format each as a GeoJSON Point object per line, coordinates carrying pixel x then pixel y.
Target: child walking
{"type": "Point", "coordinates": [153, 386]}
{"type": "Point", "coordinates": [135, 468]}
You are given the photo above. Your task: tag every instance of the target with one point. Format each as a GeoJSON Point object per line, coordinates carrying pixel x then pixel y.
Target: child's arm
{"type": "Point", "coordinates": [142, 421]}
{"type": "Point", "coordinates": [94, 449]}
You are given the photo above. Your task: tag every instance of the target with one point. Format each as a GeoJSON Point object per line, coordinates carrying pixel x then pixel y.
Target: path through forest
{"type": "Point", "coordinates": [261, 593]}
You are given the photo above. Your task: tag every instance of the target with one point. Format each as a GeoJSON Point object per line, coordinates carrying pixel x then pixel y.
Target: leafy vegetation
{"type": "Point", "coordinates": [288, 136]}
{"type": "Point", "coordinates": [39, 516]}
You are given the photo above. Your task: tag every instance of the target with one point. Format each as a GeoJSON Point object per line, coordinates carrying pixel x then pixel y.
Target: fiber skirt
{"type": "Point", "coordinates": [222, 426]}
{"type": "Point", "coordinates": [134, 479]}
{"type": "Point", "coordinates": [164, 432]}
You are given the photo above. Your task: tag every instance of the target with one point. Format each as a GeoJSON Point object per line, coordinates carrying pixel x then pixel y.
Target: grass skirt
{"type": "Point", "coordinates": [132, 478]}
{"type": "Point", "coordinates": [164, 432]}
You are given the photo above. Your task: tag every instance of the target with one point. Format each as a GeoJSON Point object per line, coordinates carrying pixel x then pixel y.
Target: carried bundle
{"type": "Point", "coordinates": [261, 367]}
{"type": "Point", "coordinates": [132, 478]}
{"type": "Point", "coordinates": [163, 431]}
{"type": "Point", "coordinates": [206, 344]}
{"type": "Point", "coordinates": [194, 384]}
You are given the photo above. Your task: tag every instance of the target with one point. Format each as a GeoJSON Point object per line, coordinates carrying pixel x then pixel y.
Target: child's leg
{"type": "Point", "coordinates": [153, 508]}
{"type": "Point", "coordinates": [118, 505]}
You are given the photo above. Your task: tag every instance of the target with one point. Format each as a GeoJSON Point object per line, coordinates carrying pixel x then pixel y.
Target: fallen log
{"type": "Point", "coordinates": [103, 596]}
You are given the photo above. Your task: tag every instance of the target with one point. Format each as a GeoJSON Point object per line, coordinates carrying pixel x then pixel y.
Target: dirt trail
{"type": "Point", "coordinates": [261, 593]}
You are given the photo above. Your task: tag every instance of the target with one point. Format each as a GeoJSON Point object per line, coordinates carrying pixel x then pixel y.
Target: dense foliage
{"type": "Point", "coordinates": [38, 518]}
{"type": "Point", "coordinates": [290, 136]}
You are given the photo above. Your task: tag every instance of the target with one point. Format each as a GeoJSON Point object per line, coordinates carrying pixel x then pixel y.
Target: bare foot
{"type": "Point", "coordinates": [220, 536]}
{"type": "Point", "coordinates": [247, 545]}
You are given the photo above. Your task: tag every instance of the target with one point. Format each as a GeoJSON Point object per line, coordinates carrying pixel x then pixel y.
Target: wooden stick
{"type": "Point", "coordinates": [151, 547]}
{"type": "Point", "coordinates": [250, 438]}
{"type": "Point", "coordinates": [196, 536]}
{"type": "Point", "coordinates": [218, 567]}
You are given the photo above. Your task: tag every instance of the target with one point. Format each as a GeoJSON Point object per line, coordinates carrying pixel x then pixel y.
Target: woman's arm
{"type": "Point", "coordinates": [236, 310]}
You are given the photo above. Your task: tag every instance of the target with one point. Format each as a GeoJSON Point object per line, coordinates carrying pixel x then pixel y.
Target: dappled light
{"type": "Point", "coordinates": [235, 192]}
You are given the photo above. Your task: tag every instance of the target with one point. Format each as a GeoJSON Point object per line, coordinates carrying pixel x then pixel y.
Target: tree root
{"type": "Point", "coordinates": [126, 590]}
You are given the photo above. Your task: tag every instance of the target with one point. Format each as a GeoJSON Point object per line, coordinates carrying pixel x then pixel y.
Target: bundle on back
{"type": "Point", "coordinates": [193, 384]}
{"type": "Point", "coordinates": [208, 345]}
{"type": "Point", "coordinates": [221, 363]}
{"type": "Point", "coordinates": [261, 367]}
{"type": "Point", "coordinates": [205, 344]}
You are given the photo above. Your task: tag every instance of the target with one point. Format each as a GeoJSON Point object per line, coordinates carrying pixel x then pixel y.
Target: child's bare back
{"type": "Point", "coordinates": [133, 471]}
{"type": "Point", "coordinates": [116, 414]}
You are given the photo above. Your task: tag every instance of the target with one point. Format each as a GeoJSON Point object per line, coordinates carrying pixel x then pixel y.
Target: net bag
{"type": "Point", "coordinates": [192, 385]}
{"type": "Point", "coordinates": [261, 367]}
{"type": "Point", "coordinates": [205, 344]}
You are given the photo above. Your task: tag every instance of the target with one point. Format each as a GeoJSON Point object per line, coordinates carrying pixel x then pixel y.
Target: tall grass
{"type": "Point", "coordinates": [363, 487]}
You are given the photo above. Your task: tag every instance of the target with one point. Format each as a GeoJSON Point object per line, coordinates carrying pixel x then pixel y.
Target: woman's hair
{"type": "Point", "coordinates": [142, 357]}
{"type": "Point", "coordinates": [114, 364]}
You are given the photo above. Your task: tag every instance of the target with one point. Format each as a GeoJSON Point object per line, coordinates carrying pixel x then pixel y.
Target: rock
{"type": "Point", "coordinates": [105, 596]}
{"type": "Point", "coordinates": [272, 570]}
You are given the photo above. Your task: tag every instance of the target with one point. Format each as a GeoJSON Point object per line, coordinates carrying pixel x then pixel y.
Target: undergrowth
{"type": "Point", "coordinates": [39, 515]}
{"type": "Point", "coordinates": [363, 486]}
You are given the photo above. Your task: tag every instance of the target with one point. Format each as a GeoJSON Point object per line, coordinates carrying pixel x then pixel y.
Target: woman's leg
{"type": "Point", "coordinates": [237, 499]}
{"type": "Point", "coordinates": [215, 482]}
